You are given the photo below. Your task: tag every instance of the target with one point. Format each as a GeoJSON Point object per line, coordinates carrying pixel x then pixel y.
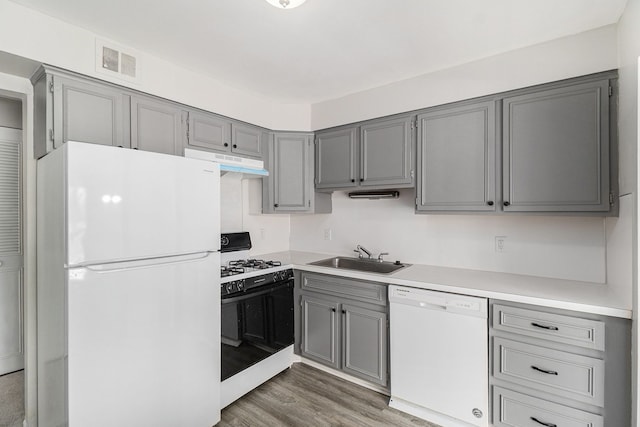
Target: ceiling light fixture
{"type": "Point", "coordinates": [285, 4]}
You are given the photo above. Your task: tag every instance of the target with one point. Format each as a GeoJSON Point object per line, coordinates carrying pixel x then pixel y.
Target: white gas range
{"type": "Point", "coordinates": [256, 318]}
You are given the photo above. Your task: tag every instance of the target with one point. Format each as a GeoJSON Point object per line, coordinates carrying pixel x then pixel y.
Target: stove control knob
{"type": "Point", "coordinates": [229, 287]}
{"type": "Point", "coordinates": [240, 285]}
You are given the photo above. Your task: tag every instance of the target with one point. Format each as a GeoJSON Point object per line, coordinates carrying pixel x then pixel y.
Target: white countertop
{"type": "Point", "coordinates": [587, 297]}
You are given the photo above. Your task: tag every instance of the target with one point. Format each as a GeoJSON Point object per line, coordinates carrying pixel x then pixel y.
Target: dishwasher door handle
{"type": "Point", "coordinates": [424, 304]}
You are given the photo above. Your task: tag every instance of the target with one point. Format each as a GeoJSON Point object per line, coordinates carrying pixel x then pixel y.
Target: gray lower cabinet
{"type": "Point", "coordinates": [456, 152]}
{"type": "Point", "coordinates": [556, 149]}
{"type": "Point", "coordinates": [345, 329]}
{"type": "Point", "coordinates": [289, 186]}
{"type": "Point", "coordinates": [70, 109]}
{"type": "Point", "coordinates": [155, 126]}
{"type": "Point", "coordinates": [377, 154]}
{"type": "Point", "coordinates": [555, 367]}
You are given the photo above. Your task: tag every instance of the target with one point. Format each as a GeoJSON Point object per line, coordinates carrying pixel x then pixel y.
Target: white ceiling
{"type": "Point", "coordinates": [326, 49]}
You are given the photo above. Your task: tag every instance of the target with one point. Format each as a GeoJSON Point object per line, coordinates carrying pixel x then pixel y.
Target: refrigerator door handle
{"type": "Point", "coordinates": [144, 263]}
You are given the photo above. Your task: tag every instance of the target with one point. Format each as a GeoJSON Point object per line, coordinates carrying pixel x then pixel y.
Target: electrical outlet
{"type": "Point", "coordinates": [263, 234]}
{"type": "Point", "coordinates": [327, 234]}
{"type": "Point", "coordinates": [501, 244]}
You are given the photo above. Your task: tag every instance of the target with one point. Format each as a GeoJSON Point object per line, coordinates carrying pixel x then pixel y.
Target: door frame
{"type": "Point", "coordinates": [20, 89]}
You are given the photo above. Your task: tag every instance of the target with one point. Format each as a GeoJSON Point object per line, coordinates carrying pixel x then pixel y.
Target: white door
{"type": "Point", "coordinates": [144, 345]}
{"type": "Point", "coordinates": [11, 261]}
{"type": "Point", "coordinates": [129, 204]}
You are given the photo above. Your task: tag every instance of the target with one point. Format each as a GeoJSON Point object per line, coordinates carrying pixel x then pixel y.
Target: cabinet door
{"type": "Point", "coordinates": [556, 149]}
{"type": "Point", "coordinates": [456, 159]}
{"type": "Point", "coordinates": [88, 112]}
{"type": "Point", "coordinates": [320, 330]}
{"type": "Point", "coordinates": [155, 126]}
{"type": "Point", "coordinates": [291, 173]}
{"type": "Point", "coordinates": [385, 157]}
{"type": "Point", "coordinates": [209, 131]}
{"type": "Point", "coordinates": [246, 140]}
{"type": "Point", "coordinates": [336, 155]}
{"type": "Point", "coordinates": [364, 343]}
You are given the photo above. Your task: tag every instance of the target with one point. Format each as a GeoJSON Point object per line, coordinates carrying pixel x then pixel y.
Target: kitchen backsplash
{"type": "Point", "coordinates": [549, 246]}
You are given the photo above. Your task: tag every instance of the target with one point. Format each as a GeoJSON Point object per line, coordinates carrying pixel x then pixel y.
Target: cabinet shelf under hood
{"type": "Point", "coordinates": [248, 168]}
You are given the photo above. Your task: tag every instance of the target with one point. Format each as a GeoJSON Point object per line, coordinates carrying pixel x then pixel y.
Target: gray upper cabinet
{"type": "Point", "coordinates": [70, 109]}
{"type": "Point", "coordinates": [208, 131]}
{"type": "Point", "coordinates": [337, 158]}
{"type": "Point", "coordinates": [456, 157]}
{"type": "Point", "coordinates": [291, 172]}
{"type": "Point", "coordinates": [289, 187]}
{"type": "Point", "coordinates": [375, 155]}
{"type": "Point", "coordinates": [155, 126]}
{"type": "Point", "coordinates": [556, 149]}
{"type": "Point", "coordinates": [246, 140]}
{"type": "Point", "coordinates": [386, 153]}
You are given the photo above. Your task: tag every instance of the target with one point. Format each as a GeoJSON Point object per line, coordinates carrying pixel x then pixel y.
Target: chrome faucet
{"type": "Point", "coordinates": [360, 249]}
{"type": "Point", "coordinates": [381, 255]}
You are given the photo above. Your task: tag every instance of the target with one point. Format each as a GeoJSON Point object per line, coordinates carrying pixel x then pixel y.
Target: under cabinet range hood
{"type": "Point", "coordinates": [248, 168]}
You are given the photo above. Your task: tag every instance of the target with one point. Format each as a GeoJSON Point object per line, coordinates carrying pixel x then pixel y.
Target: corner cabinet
{"type": "Point", "coordinates": [456, 157]}
{"type": "Point", "coordinates": [556, 149]}
{"type": "Point", "coordinates": [344, 325]}
{"type": "Point", "coordinates": [289, 186]}
{"type": "Point", "coordinates": [376, 154]}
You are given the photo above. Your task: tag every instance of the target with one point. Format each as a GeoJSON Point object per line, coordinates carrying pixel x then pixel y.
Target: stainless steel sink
{"type": "Point", "coordinates": [368, 265]}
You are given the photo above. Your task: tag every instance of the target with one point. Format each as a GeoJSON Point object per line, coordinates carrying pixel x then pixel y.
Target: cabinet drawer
{"type": "Point", "coordinates": [565, 374]}
{"type": "Point", "coordinates": [519, 410]}
{"type": "Point", "coordinates": [355, 289]}
{"type": "Point", "coordinates": [553, 327]}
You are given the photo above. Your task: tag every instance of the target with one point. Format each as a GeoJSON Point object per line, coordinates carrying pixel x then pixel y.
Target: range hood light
{"type": "Point", "coordinates": [374, 195]}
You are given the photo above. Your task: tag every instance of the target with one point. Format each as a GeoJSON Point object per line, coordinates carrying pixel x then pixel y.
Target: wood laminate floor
{"type": "Point", "coordinates": [308, 397]}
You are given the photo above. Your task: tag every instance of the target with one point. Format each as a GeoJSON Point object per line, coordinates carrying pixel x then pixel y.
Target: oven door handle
{"type": "Point", "coordinates": [255, 294]}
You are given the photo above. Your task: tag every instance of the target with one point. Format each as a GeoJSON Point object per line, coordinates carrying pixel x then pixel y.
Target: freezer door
{"type": "Point", "coordinates": [129, 204]}
{"type": "Point", "coordinates": [144, 345]}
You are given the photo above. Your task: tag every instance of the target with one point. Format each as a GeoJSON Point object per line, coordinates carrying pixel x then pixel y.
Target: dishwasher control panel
{"type": "Point", "coordinates": [435, 300]}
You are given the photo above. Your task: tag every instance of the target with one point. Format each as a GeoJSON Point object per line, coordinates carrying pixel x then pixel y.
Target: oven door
{"type": "Point", "coordinates": [255, 325]}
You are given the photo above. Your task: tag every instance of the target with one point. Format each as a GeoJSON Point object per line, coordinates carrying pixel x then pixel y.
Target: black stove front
{"type": "Point", "coordinates": [257, 318]}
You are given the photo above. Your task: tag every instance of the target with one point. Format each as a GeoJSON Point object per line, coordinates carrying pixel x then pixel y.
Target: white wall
{"type": "Point", "coordinates": [20, 88]}
{"type": "Point", "coordinates": [240, 200]}
{"type": "Point", "coordinates": [584, 53]}
{"type": "Point", "coordinates": [33, 35]}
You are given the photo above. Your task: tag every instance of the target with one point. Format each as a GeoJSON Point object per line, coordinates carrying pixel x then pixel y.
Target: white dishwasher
{"type": "Point", "coordinates": [439, 356]}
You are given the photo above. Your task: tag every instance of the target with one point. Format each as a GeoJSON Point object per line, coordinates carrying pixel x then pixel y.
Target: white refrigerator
{"type": "Point", "coordinates": [128, 292]}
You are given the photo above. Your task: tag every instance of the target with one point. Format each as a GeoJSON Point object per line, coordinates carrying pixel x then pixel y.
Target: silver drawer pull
{"type": "Point", "coordinates": [544, 371]}
{"type": "Point", "coordinates": [543, 423]}
{"type": "Point", "coordinates": [550, 328]}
